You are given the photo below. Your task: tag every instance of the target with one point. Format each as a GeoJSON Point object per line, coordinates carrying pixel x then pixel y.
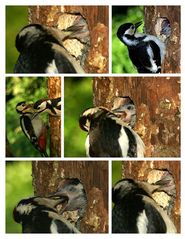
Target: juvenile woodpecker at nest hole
{"type": "Point", "coordinates": [146, 51]}
{"type": "Point", "coordinates": [108, 135]}
{"type": "Point", "coordinates": [42, 51]}
{"type": "Point", "coordinates": [33, 127]}
{"type": "Point", "coordinates": [124, 108]}
{"type": "Point", "coordinates": [39, 215]}
{"type": "Point", "coordinates": [51, 106]}
{"type": "Point", "coordinates": [135, 211]}
{"type": "Point", "coordinates": [76, 200]}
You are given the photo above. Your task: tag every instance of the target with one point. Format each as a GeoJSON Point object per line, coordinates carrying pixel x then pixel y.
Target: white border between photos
{"type": "Point", "coordinates": [3, 3]}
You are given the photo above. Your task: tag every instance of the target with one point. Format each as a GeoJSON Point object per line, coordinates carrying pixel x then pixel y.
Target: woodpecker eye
{"type": "Point", "coordinates": [132, 27]}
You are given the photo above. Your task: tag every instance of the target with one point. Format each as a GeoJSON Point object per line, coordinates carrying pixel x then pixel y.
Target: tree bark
{"type": "Point", "coordinates": [157, 106]}
{"type": "Point", "coordinates": [93, 175]}
{"type": "Point", "coordinates": [97, 20]}
{"type": "Point", "coordinates": [139, 170]}
{"type": "Point", "coordinates": [54, 91]}
{"type": "Point", "coordinates": [172, 59]}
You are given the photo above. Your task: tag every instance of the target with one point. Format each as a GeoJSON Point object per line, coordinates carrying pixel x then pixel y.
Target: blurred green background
{"type": "Point", "coordinates": [116, 171]}
{"type": "Point", "coordinates": [121, 62]}
{"type": "Point", "coordinates": [19, 89]}
{"type": "Point", "coordinates": [18, 186]}
{"type": "Point", "coordinates": [16, 19]}
{"type": "Point", "coordinates": [78, 96]}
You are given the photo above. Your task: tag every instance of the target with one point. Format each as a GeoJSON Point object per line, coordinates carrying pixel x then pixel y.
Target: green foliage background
{"type": "Point", "coordinates": [29, 89]}
{"type": "Point", "coordinates": [18, 186]}
{"type": "Point", "coordinates": [78, 97]}
{"type": "Point", "coordinates": [121, 62]}
{"type": "Point", "coordinates": [16, 19]}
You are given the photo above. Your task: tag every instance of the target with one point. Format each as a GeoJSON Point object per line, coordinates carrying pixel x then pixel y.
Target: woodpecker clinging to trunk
{"type": "Point", "coordinates": [42, 50]}
{"type": "Point", "coordinates": [108, 135]}
{"type": "Point", "coordinates": [33, 127]}
{"type": "Point", "coordinates": [135, 211]}
{"type": "Point", "coordinates": [146, 51]}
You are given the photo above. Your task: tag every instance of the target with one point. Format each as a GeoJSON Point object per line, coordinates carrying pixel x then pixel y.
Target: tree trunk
{"type": "Point", "coordinates": [157, 106]}
{"type": "Point", "coordinates": [93, 175]}
{"type": "Point", "coordinates": [54, 91]}
{"type": "Point", "coordinates": [139, 170]}
{"type": "Point", "coordinates": [172, 59]}
{"type": "Point", "coordinates": [97, 20]}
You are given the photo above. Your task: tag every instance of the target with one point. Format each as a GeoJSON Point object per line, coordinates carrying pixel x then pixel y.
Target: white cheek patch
{"type": "Point", "coordinates": [51, 69]}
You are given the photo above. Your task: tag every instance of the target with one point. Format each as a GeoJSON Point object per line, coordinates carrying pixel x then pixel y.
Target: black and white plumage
{"type": "Point", "coordinates": [124, 108]}
{"type": "Point", "coordinates": [38, 215]}
{"type": "Point", "coordinates": [146, 51]}
{"type": "Point", "coordinates": [109, 136]}
{"type": "Point", "coordinates": [42, 51]}
{"type": "Point", "coordinates": [33, 127]}
{"type": "Point", "coordinates": [75, 197]}
{"type": "Point", "coordinates": [135, 211]}
{"type": "Point", "coordinates": [51, 106]}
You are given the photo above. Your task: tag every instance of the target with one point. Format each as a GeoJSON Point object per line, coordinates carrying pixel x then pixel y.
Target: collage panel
{"type": "Point", "coordinates": [57, 39]}
{"type": "Point", "coordinates": [33, 116]}
{"type": "Point", "coordinates": [146, 196]}
{"type": "Point", "coordinates": [122, 117]}
{"type": "Point", "coordinates": [57, 197]}
{"type": "Point", "coordinates": [146, 39]}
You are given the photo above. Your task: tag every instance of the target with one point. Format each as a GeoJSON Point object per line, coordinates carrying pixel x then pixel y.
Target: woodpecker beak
{"type": "Point", "coordinates": [138, 24]}
{"type": "Point", "coordinates": [61, 201]}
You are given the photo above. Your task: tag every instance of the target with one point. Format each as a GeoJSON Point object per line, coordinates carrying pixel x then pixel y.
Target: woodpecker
{"type": "Point", "coordinates": [51, 106]}
{"type": "Point", "coordinates": [146, 51]}
{"type": "Point", "coordinates": [109, 136]}
{"type": "Point", "coordinates": [33, 127]}
{"type": "Point", "coordinates": [38, 215]}
{"type": "Point", "coordinates": [42, 51]}
{"type": "Point", "coordinates": [76, 200]}
{"type": "Point", "coordinates": [124, 108]}
{"type": "Point", "coordinates": [135, 211]}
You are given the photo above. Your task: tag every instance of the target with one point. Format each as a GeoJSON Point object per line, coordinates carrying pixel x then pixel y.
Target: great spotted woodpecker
{"type": "Point", "coordinates": [33, 127]}
{"type": "Point", "coordinates": [76, 200]}
{"type": "Point", "coordinates": [38, 215]}
{"type": "Point", "coordinates": [124, 108]}
{"type": "Point", "coordinates": [135, 211]}
{"type": "Point", "coordinates": [51, 106]}
{"type": "Point", "coordinates": [42, 51]}
{"type": "Point", "coordinates": [108, 135]}
{"type": "Point", "coordinates": [146, 51]}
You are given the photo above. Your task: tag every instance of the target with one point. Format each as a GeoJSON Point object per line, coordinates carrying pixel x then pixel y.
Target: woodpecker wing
{"type": "Point", "coordinates": [146, 57]}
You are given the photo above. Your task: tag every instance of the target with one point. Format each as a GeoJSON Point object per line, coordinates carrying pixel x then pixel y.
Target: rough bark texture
{"type": "Point", "coordinates": [157, 101]}
{"type": "Point", "coordinates": [172, 59]}
{"type": "Point", "coordinates": [139, 170]}
{"type": "Point", "coordinates": [54, 91]}
{"type": "Point", "coordinates": [93, 175]}
{"type": "Point", "coordinates": [97, 20]}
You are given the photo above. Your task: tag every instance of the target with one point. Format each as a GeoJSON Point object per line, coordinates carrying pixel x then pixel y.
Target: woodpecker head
{"type": "Point", "coordinates": [40, 105]}
{"type": "Point", "coordinates": [88, 115]}
{"type": "Point", "coordinates": [128, 29]}
{"type": "Point", "coordinates": [125, 186]}
{"type": "Point", "coordinates": [24, 108]}
{"type": "Point", "coordinates": [34, 33]}
{"type": "Point", "coordinates": [73, 194]}
{"type": "Point", "coordinates": [27, 206]}
{"type": "Point", "coordinates": [124, 108]}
